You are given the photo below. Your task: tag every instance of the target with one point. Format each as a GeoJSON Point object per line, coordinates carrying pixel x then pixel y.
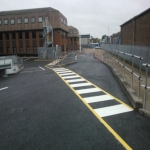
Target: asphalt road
{"type": "Point", "coordinates": [38, 110]}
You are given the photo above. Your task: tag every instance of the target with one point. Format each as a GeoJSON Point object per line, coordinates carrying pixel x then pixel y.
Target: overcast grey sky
{"type": "Point", "coordinates": [89, 16]}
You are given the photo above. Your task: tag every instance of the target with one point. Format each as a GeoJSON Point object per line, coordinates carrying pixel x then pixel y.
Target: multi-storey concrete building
{"type": "Point", "coordinates": [136, 31]}
{"type": "Point", "coordinates": [21, 31]}
{"type": "Point", "coordinates": [73, 38]}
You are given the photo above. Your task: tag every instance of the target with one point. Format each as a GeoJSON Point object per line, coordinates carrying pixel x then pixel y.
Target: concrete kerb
{"type": "Point", "coordinates": [144, 112]}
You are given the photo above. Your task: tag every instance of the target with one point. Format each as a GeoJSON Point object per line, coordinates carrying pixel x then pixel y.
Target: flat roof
{"type": "Point", "coordinates": [24, 11]}
{"type": "Point", "coordinates": [144, 12]}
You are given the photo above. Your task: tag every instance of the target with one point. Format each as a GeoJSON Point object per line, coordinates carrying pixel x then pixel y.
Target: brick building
{"type": "Point", "coordinates": [21, 31]}
{"type": "Point", "coordinates": [136, 31]}
{"type": "Point", "coordinates": [73, 38]}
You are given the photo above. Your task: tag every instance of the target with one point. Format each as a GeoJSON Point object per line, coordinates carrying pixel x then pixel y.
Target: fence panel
{"type": "Point", "coordinates": [143, 51]}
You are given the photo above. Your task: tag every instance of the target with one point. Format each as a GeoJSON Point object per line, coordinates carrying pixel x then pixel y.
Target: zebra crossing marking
{"type": "Point", "coordinates": [124, 144]}
{"type": "Point", "coordinates": [112, 110]}
{"type": "Point", "coordinates": [98, 98]}
{"type": "Point", "coordinates": [75, 80]}
{"type": "Point", "coordinates": [64, 74]}
{"type": "Point", "coordinates": [80, 84]}
{"type": "Point", "coordinates": [90, 90]}
{"type": "Point", "coordinates": [69, 77]}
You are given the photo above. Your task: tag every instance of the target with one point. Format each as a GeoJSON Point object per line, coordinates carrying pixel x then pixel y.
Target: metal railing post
{"type": "Point", "coordinates": [132, 72]}
{"type": "Point", "coordinates": [145, 89]}
{"type": "Point", "coordinates": [139, 89]}
{"type": "Point", "coordinates": [124, 68]}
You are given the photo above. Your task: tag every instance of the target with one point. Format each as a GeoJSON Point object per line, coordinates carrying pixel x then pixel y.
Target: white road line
{"type": "Point", "coordinates": [90, 90]}
{"type": "Point", "coordinates": [75, 80]}
{"type": "Point", "coordinates": [80, 84]}
{"type": "Point", "coordinates": [26, 59]}
{"type": "Point", "coordinates": [41, 68]}
{"type": "Point", "coordinates": [3, 88]}
{"type": "Point", "coordinates": [98, 98]}
{"type": "Point", "coordinates": [112, 110]}
{"type": "Point", "coordinates": [61, 69]}
{"type": "Point", "coordinates": [68, 77]}
{"type": "Point", "coordinates": [64, 74]}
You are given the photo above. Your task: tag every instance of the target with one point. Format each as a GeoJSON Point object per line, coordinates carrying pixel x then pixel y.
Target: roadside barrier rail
{"type": "Point", "coordinates": [116, 53]}
{"type": "Point", "coordinates": [145, 86]}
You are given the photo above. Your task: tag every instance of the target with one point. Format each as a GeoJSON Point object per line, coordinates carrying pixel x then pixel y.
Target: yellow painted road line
{"type": "Point", "coordinates": [124, 144]}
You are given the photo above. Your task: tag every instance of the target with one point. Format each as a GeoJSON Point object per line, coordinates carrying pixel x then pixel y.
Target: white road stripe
{"type": "Point", "coordinates": [75, 80]}
{"type": "Point", "coordinates": [112, 110]}
{"type": "Point", "coordinates": [68, 77]}
{"type": "Point", "coordinates": [64, 74]}
{"type": "Point", "coordinates": [60, 69]}
{"type": "Point", "coordinates": [98, 98]}
{"type": "Point", "coordinates": [90, 90]}
{"type": "Point", "coordinates": [41, 68]}
{"type": "Point", "coordinates": [26, 59]}
{"type": "Point", "coordinates": [3, 88]}
{"type": "Point", "coordinates": [80, 84]}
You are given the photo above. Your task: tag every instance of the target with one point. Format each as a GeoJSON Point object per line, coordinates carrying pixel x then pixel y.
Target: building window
{"type": "Point", "coordinates": [14, 50]}
{"type": "Point", "coordinates": [19, 20]}
{"type": "Point", "coordinates": [40, 19]}
{"type": "Point", "coordinates": [28, 50]}
{"type": "Point", "coordinates": [12, 21]}
{"type": "Point", "coordinates": [7, 36]}
{"type": "Point", "coordinates": [25, 20]}
{"type": "Point", "coordinates": [0, 22]}
{"type": "Point", "coordinates": [1, 38]}
{"type": "Point", "coordinates": [40, 34]}
{"type": "Point", "coordinates": [8, 50]}
{"type": "Point", "coordinates": [6, 21]}
{"type": "Point", "coordinates": [74, 39]}
{"type": "Point", "coordinates": [1, 50]}
{"type": "Point", "coordinates": [33, 34]}
{"type": "Point", "coordinates": [27, 35]}
{"type": "Point", "coordinates": [13, 35]}
{"type": "Point", "coordinates": [34, 49]}
{"type": "Point", "coordinates": [20, 35]}
{"type": "Point", "coordinates": [33, 19]}
{"type": "Point", "coordinates": [21, 50]}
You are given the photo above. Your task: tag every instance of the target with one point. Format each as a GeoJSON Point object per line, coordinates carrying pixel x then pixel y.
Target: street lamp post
{"type": "Point", "coordinates": [80, 39]}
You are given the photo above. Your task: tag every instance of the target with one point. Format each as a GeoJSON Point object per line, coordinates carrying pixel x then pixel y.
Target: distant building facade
{"type": "Point", "coordinates": [73, 38]}
{"type": "Point", "coordinates": [21, 31]}
{"type": "Point", "coordinates": [136, 31]}
{"type": "Point", "coordinates": [115, 38]}
{"type": "Point", "coordinates": [85, 39]}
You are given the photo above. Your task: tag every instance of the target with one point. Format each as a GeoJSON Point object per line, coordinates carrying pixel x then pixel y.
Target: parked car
{"type": "Point", "coordinates": [97, 47]}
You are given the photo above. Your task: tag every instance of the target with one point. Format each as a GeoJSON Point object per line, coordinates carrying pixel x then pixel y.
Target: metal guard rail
{"type": "Point", "coordinates": [131, 71]}
{"type": "Point", "coordinates": [128, 69]}
{"type": "Point", "coordinates": [141, 58]}
{"type": "Point", "coordinates": [145, 86]}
